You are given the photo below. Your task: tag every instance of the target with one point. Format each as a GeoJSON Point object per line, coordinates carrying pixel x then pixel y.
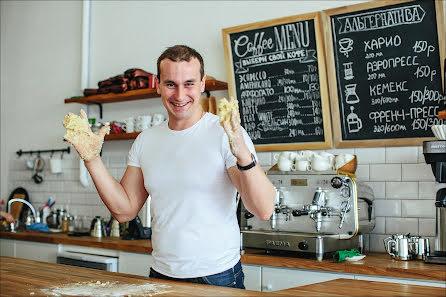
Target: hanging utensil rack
{"type": "Point", "coordinates": [20, 152]}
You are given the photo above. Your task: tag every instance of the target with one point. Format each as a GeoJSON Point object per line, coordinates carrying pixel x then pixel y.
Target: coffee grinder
{"type": "Point", "coordinates": [435, 155]}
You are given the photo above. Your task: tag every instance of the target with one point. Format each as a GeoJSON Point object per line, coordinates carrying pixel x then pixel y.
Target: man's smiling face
{"type": "Point", "coordinates": [180, 87]}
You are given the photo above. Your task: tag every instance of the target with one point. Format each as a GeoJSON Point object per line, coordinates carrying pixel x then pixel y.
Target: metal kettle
{"type": "Point", "coordinates": [97, 228]}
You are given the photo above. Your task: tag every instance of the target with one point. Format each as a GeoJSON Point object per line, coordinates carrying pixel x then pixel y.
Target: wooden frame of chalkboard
{"type": "Point", "coordinates": [384, 63]}
{"type": "Point", "coordinates": [276, 70]}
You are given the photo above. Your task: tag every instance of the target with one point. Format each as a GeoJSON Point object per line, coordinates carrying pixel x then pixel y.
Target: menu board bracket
{"type": "Point", "coordinates": [276, 70]}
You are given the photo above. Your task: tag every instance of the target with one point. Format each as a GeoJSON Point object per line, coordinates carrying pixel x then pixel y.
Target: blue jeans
{"type": "Point", "coordinates": [232, 278]}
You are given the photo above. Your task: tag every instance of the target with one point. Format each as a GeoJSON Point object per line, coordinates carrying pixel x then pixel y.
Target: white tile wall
{"type": "Point", "coordinates": [401, 190]}
{"type": "Point", "coordinates": [402, 225]}
{"type": "Point", "coordinates": [403, 185]}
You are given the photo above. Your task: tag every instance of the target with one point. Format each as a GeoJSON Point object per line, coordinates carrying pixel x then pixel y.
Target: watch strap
{"type": "Point", "coordinates": [249, 166]}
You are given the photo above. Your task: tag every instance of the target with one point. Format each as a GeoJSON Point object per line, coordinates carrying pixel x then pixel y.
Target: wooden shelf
{"type": "Point", "coordinates": [119, 136]}
{"type": "Point", "coordinates": [442, 114]}
{"type": "Point", "coordinates": [211, 85]}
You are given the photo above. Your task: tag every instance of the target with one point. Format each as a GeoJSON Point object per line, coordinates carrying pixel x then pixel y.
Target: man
{"type": "Point", "coordinates": [189, 168]}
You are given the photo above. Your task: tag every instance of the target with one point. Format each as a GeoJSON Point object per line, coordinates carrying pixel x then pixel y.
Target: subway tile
{"type": "Point", "coordinates": [366, 242]}
{"type": "Point", "coordinates": [71, 186]}
{"type": "Point", "coordinates": [417, 172]}
{"type": "Point", "coordinates": [78, 198]}
{"type": "Point", "coordinates": [402, 190]}
{"type": "Point", "coordinates": [362, 172]}
{"type": "Point", "coordinates": [401, 225]}
{"type": "Point", "coordinates": [62, 199]}
{"type": "Point", "coordinates": [403, 154]}
{"type": "Point", "coordinates": [376, 244]}
{"type": "Point", "coordinates": [379, 189]}
{"type": "Point", "coordinates": [426, 227]}
{"type": "Point", "coordinates": [387, 208]}
{"type": "Point", "coordinates": [342, 151]}
{"type": "Point", "coordinates": [380, 226]}
{"type": "Point", "coordinates": [370, 155]}
{"type": "Point", "coordinates": [55, 186]}
{"type": "Point", "coordinates": [117, 161]}
{"type": "Point", "coordinates": [385, 172]}
{"type": "Point", "coordinates": [92, 199]}
{"type": "Point", "coordinates": [418, 208]}
{"type": "Point", "coordinates": [421, 158]}
{"type": "Point", "coordinates": [264, 158]}
{"type": "Point", "coordinates": [427, 190]}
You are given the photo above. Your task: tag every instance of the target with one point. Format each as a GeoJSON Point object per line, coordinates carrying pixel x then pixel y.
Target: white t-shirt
{"type": "Point", "coordinates": [193, 201]}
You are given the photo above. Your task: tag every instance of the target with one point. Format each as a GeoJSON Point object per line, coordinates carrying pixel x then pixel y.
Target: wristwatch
{"type": "Point", "coordinates": [249, 166]}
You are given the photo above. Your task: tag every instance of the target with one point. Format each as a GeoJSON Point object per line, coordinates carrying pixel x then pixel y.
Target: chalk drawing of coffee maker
{"type": "Point", "coordinates": [348, 71]}
{"type": "Point", "coordinates": [350, 92]}
{"type": "Point", "coordinates": [345, 46]}
{"type": "Point", "coordinates": [353, 121]}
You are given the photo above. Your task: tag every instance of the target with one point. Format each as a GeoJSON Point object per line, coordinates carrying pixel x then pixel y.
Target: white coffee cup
{"type": "Point", "coordinates": [320, 163]}
{"type": "Point", "coordinates": [129, 125]}
{"type": "Point", "coordinates": [56, 165]}
{"type": "Point", "coordinates": [303, 165]}
{"type": "Point", "coordinates": [330, 158]}
{"type": "Point", "coordinates": [306, 155]}
{"type": "Point", "coordinates": [285, 164]}
{"type": "Point", "coordinates": [285, 155]}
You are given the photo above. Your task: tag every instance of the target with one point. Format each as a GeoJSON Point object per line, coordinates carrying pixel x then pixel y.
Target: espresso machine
{"type": "Point", "coordinates": [315, 215]}
{"type": "Point", "coordinates": [435, 155]}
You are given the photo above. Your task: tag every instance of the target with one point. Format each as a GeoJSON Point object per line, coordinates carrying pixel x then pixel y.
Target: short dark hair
{"type": "Point", "coordinates": [178, 53]}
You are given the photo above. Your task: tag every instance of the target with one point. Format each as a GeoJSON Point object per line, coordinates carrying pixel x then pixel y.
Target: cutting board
{"type": "Point", "coordinates": [16, 207]}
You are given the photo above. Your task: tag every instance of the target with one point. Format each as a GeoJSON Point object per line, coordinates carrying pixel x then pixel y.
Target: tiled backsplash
{"type": "Point", "coordinates": [403, 184]}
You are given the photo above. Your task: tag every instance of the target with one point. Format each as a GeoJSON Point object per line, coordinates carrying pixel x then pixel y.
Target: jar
{"type": "Point", "coordinates": [65, 224]}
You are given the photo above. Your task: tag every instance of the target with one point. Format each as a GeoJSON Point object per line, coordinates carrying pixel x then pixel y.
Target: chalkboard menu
{"type": "Point", "coordinates": [276, 69]}
{"type": "Point", "coordinates": [385, 70]}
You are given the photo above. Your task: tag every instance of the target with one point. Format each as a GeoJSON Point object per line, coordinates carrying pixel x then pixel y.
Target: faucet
{"type": "Point", "coordinates": [36, 218]}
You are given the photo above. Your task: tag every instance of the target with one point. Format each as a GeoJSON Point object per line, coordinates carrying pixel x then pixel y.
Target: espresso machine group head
{"type": "Point", "coordinates": [435, 155]}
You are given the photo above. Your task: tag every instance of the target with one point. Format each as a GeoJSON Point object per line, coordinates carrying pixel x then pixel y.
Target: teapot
{"type": "Point", "coordinates": [97, 228]}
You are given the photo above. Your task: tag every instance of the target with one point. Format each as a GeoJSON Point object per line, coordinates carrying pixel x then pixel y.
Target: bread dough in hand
{"type": "Point", "coordinates": [79, 134]}
{"type": "Point", "coordinates": [230, 120]}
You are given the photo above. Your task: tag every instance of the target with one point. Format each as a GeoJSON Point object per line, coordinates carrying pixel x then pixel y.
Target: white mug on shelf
{"type": "Point", "coordinates": [303, 165]}
{"type": "Point", "coordinates": [285, 164]}
{"type": "Point", "coordinates": [320, 163]}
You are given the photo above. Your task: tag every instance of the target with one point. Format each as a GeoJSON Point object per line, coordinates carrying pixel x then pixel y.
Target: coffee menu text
{"type": "Point", "coordinates": [277, 83]}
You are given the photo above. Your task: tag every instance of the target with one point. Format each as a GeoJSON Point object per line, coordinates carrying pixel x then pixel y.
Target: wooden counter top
{"type": "Point", "coordinates": [373, 264]}
{"type": "Point", "coordinates": [112, 243]}
{"type": "Point", "coordinates": [351, 287]}
{"type": "Point", "coordinates": [20, 277]}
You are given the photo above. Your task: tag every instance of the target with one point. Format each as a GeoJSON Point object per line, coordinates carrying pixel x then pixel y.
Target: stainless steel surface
{"type": "Point", "coordinates": [30, 221]}
{"type": "Point", "coordinates": [399, 247]}
{"type": "Point", "coordinates": [440, 242]}
{"type": "Point", "coordinates": [321, 212]}
{"type": "Point", "coordinates": [420, 247]}
{"type": "Point", "coordinates": [434, 147]}
{"type": "Point", "coordinates": [435, 155]}
{"type": "Point", "coordinates": [97, 228]}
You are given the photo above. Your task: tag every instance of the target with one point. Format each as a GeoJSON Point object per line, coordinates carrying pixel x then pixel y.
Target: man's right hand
{"type": "Point", "coordinates": [87, 144]}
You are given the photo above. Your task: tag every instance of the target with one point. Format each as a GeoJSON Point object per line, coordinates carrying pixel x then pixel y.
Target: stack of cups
{"type": "Point", "coordinates": [158, 118]}
{"type": "Point", "coordinates": [143, 122]}
{"type": "Point", "coordinates": [129, 125]}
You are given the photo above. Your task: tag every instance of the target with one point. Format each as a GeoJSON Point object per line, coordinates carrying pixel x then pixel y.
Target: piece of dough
{"type": "Point", "coordinates": [75, 126]}
{"type": "Point", "coordinates": [225, 109]}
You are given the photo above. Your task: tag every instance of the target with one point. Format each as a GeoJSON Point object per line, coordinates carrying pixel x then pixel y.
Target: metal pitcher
{"type": "Point", "coordinates": [399, 247]}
